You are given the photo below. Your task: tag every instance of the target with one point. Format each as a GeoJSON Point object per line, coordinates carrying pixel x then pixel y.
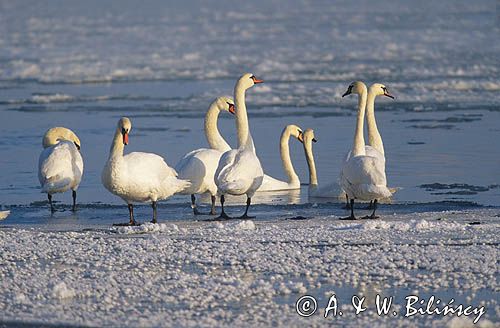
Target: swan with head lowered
{"type": "Point", "coordinates": [60, 166]}
{"type": "Point", "coordinates": [198, 166]}
{"type": "Point", "coordinates": [362, 176]}
{"type": "Point", "coordinates": [375, 145]}
{"type": "Point", "coordinates": [271, 184]}
{"type": "Point", "coordinates": [239, 171]}
{"type": "Point", "coordinates": [138, 177]}
{"type": "Point", "coordinates": [316, 190]}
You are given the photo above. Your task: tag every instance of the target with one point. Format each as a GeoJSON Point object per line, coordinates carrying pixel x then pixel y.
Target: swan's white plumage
{"type": "Point", "coordinates": [199, 166]}
{"type": "Point", "coordinates": [60, 165]}
{"type": "Point", "coordinates": [4, 214]}
{"type": "Point", "coordinates": [363, 176]}
{"type": "Point", "coordinates": [239, 171]}
{"type": "Point", "coordinates": [272, 184]}
{"type": "Point", "coordinates": [138, 176]}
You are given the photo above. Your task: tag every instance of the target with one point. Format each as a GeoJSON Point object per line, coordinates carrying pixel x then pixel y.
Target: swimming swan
{"type": "Point", "coordinates": [60, 166]}
{"type": "Point", "coordinates": [271, 184]}
{"type": "Point", "coordinates": [138, 177]}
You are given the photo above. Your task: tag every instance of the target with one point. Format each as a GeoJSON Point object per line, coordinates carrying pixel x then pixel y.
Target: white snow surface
{"type": "Point", "coordinates": [249, 273]}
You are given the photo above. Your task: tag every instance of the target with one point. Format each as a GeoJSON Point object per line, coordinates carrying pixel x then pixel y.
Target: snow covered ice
{"type": "Point", "coordinates": [249, 273]}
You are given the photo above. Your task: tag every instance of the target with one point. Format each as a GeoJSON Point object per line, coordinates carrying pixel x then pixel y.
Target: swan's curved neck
{"type": "Point", "coordinates": [117, 146]}
{"type": "Point", "coordinates": [214, 138]}
{"type": "Point", "coordinates": [374, 138]}
{"type": "Point", "coordinates": [313, 179]}
{"type": "Point", "coordinates": [241, 116]}
{"type": "Point", "coordinates": [285, 157]}
{"type": "Point", "coordinates": [359, 140]}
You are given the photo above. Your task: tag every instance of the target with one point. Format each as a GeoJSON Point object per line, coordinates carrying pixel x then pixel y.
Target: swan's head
{"type": "Point", "coordinates": [308, 136]}
{"type": "Point", "coordinates": [248, 80]}
{"type": "Point", "coordinates": [124, 127]}
{"type": "Point", "coordinates": [225, 103]}
{"type": "Point", "coordinates": [54, 135]}
{"type": "Point", "coordinates": [295, 131]}
{"type": "Point", "coordinates": [357, 87]}
{"type": "Point", "coordinates": [380, 90]}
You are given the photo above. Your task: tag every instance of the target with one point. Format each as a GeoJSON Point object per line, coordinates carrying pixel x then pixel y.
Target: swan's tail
{"type": "Point", "coordinates": [177, 185]}
{"type": "Point", "coordinates": [56, 184]}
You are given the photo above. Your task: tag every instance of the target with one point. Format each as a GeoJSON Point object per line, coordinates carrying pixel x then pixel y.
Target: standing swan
{"type": "Point", "coordinates": [272, 184]}
{"type": "Point", "coordinates": [362, 176]}
{"type": "Point", "coordinates": [375, 145]}
{"type": "Point", "coordinates": [239, 171]}
{"type": "Point", "coordinates": [329, 190]}
{"type": "Point", "coordinates": [199, 165]}
{"type": "Point", "coordinates": [138, 177]}
{"type": "Point", "coordinates": [60, 166]}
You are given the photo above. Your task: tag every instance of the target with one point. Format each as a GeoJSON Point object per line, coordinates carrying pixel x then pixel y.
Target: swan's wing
{"type": "Point", "coordinates": [369, 150]}
{"type": "Point", "coordinates": [199, 167]}
{"type": "Point", "coordinates": [148, 171]}
{"type": "Point", "coordinates": [271, 184]}
{"type": "Point", "coordinates": [364, 177]}
{"type": "Point", "coordinates": [59, 167]}
{"type": "Point", "coordinates": [240, 172]}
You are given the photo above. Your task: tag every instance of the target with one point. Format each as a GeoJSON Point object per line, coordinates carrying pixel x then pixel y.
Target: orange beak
{"type": "Point", "coordinates": [257, 81]}
{"type": "Point", "coordinates": [231, 109]}
{"type": "Point", "coordinates": [125, 139]}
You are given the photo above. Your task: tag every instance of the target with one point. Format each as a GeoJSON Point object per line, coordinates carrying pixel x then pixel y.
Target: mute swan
{"type": "Point", "coordinates": [239, 171]}
{"type": "Point", "coordinates": [60, 166]}
{"type": "Point", "coordinates": [272, 184]}
{"type": "Point", "coordinates": [375, 145]}
{"type": "Point", "coordinates": [199, 165]}
{"type": "Point", "coordinates": [330, 190]}
{"type": "Point", "coordinates": [362, 176]}
{"type": "Point", "coordinates": [138, 177]}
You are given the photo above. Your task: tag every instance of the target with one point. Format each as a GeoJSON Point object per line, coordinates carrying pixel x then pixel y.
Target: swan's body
{"type": "Point", "coordinates": [138, 177]}
{"type": "Point", "coordinates": [271, 184]}
{"type": "Point", "coordinates": [363, 176]}
{"type": "Point", "coordinates": [60, 166]}
{"type": "Point", "coordinates": [239, 171]}
{"type": "Point", "coordinates": [198, 166]}
{"type": "Point", "coordinates": [329, 190]}
{"type": "Point", "coordinates": [4, 214]}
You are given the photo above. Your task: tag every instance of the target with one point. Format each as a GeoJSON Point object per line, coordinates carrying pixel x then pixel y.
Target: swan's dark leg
{"type": "Point", "coordinates": [193, 205]}
{"type": "Point", "coordinates": [74, 200]}
{"type": "Point", "coordinates": [370, 207]}
{"type": "Point", "coordinates": [245, 215]}
{"type": "Point", "coordinates": [131, 222]}
{"type": "Point", "coordinates": [52, 209]}
{"type": "Point", "coordinates": [347, 205]}
{"type": "Point", "coordinates": [223, 216]}
{"type": "Point", "coordinates": [154, 212]}
{"type": "Point", "coordinates": [212, 210]}
{"type": "Point", "coordinates": [352, 217]}
{"type": "Point", "coordinates": [372, 216]}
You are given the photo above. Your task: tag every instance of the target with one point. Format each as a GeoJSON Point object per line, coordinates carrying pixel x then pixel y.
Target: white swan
{"type": "Point", "coordinates": [199, 165]}
{"type": "Point", "coordinates": [271, 184]}
{"type": "Point", "coordinates": [329, 190]}
{"type": "Point", "coordinates": [375, 145]}
{"type": "Point", "coordinates": [362, 176]}
{"type": "Point", "coordinates": [138, 177]}
{"type": "Point", "coordinates": [60, 166]}
{"type": "Point", "coordinates": [239, 171]}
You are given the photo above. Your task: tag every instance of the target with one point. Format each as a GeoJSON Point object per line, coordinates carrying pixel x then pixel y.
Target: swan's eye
{"type": "Point", "coordinates": [124, 131]}
{"type": "Point", "coordinates": [252, 77]}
